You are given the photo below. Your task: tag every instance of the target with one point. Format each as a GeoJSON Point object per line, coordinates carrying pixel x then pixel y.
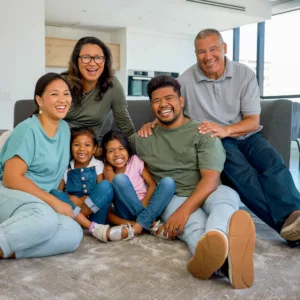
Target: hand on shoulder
{"type": "Point", "coordinates": [146, 129]}
{"type": "Point", "coordinates": [217, 130]}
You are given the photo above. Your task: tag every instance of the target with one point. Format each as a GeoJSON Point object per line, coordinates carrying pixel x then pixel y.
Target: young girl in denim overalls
{"type": "Point", "coordinates": [138, 201]}
{"type": "Point", "coordinates": [83, 186]}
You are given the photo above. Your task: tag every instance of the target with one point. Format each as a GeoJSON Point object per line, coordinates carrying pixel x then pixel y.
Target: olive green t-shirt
{"type": "Point", "coordinates": [180, 153]}
{"type": "Point", "coordinates": [97, 114]}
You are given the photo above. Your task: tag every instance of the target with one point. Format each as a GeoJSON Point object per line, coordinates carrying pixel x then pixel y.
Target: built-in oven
{"type": "Point", "coordinates": [137, 82]}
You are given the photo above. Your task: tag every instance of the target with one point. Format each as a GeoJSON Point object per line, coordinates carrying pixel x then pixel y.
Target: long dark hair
{"type": "Point", "coordinates": [42, 84]}
{"type": "Point", "coordinates": [115, 135]}
{"type": "Point", "coordinates": [105, 81]}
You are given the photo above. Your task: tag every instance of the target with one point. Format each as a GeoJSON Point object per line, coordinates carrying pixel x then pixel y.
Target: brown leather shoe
{"type": "Point", "coordinates": [291, 227]}
{"type": "Point", "coordinates": [241, 236]}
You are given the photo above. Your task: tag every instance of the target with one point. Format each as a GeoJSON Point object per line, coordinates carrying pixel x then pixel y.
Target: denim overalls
{"type": "Point", "coordinates": [83, 182]}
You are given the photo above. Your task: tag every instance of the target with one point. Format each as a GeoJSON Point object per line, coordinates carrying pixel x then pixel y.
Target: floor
{"type": "Point", "coordinates": [150, 268]}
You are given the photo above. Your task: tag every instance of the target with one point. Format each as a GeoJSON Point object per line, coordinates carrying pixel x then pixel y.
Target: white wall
{"type": "Point", "coordinates": [22, 53]}
{"type": "Point", "coordinates": [159, 52]}
{"type": "Point", "coordinates": [120, 37]}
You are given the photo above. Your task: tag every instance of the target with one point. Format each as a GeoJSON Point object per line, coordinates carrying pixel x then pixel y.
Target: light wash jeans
{"type": "Point", "coordinates": [31, 228]}
{"type": "Point", "coordinates": [128, 206]}
{"type": "Point", "coordinates": [98, 201]}
{"type": "Point", "coordinates": [213, 214]}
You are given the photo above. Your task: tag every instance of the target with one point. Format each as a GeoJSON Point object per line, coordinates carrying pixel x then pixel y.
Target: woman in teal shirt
{"type": "Point", "coordinates": [34, 223]}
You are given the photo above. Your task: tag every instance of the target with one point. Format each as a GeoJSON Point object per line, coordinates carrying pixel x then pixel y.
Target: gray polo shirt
{"type": "Point", "coordinates": [223, 101]}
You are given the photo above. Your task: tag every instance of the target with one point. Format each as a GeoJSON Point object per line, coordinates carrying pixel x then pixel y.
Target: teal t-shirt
{"type": "Point", "coordinates": [180, 153]}
{"type": "Point", "coordinates": [47, 158]}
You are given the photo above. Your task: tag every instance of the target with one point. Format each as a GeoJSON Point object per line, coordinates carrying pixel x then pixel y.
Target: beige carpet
{"type": "Point", "coordinates": [146, 268]}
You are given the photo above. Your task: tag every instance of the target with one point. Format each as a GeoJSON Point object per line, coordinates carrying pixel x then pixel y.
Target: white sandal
{"type": "Point", "coordinates": [115, 233]}
{"type": "Point", "coordinates": [153, 230]}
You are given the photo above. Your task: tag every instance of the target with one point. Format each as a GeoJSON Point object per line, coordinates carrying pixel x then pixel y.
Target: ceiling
{"type": "Point", "coordinates": [172, 16]}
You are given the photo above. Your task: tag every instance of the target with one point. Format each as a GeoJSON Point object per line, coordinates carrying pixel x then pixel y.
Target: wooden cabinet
{"type": "Point", "coordinates": [58, 52]}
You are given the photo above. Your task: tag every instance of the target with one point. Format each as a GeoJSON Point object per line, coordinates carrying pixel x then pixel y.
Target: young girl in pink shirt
{"type": "Point", "coordinates": [138, 200]}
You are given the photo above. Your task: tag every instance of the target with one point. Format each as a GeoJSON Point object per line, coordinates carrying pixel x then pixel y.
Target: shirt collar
{"type": "Point", "coordinates": [93, 163]}
{"type": "Point", "coordinates": [228, 72]}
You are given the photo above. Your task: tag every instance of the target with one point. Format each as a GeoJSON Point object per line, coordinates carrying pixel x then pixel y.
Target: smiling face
{"type": "Point", "coordinates": [117, 155]}
{"type": "Point", "coordinates": [83, 148]}
{"type": "Point", "coordinates": [55, 100]}
{"type": "Point", "coordinates": [91, 71]}
{"type": "Point", "coordinates": [167, 107]}
{"type": "Point", "coordinates": [210, 53]}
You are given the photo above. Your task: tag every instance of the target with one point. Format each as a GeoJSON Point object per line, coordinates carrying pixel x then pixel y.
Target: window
{"type": "Point", "coordinates": [228, 39]}
{"type": "Point", "coordinates": [248, 43]}
{"type": "Point", "coordinates": [282, 60]}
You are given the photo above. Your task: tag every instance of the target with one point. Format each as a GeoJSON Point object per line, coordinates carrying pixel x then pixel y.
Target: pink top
{"type": "Point", "coordinates": [134, 170]}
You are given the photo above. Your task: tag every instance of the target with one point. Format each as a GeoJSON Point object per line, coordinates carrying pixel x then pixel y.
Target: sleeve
{"type": "Point", "coordinates": [132, 140]}
{"type": "Point", "coordinates": [181, 80]}
{"type": "Point", "coordinates": [250, 96]}
{"type": "Point", "coordinates": [119, 108]}
{"type": "Point", "coordinates": [99, 167]}
{"type": "Point", "coordinates": [66, 176]}
{"type": "Point", "coordinates": [20, 143]}
{"type": "Point", "coordinates": [210, 153]}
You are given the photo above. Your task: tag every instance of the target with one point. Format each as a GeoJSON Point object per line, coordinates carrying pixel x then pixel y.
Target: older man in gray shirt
{"type": "Point", "coordinates": [224, 96]}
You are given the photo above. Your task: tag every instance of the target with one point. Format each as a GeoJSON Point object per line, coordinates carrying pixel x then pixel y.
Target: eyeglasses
{"type": "Point", "coordinates": [86, 59]}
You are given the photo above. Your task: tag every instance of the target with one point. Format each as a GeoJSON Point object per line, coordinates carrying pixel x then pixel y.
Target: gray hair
{"type": "Point", "coordinates": [207, 32]}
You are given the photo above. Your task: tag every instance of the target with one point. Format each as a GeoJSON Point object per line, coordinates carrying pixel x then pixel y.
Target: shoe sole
{"type": "Point", "coordinates": [210, 254]}
{"type": "Point", "coordinates": [241, 236]}
{"type": "Point", "coordinates": [292, 231]}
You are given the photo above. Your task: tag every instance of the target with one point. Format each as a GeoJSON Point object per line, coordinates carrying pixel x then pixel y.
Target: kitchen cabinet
{"type": "Point", "coordinates": [58, 52]}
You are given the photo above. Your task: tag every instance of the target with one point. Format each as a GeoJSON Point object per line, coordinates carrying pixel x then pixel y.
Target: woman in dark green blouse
{"type": "Point", "coordinates": [95, 90]}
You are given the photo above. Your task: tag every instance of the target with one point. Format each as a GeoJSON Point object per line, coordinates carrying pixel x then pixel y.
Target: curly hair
{"type": "Point", "coordinates": [105, 81]}
{"type": "Point", "coordinates": [162, 81]}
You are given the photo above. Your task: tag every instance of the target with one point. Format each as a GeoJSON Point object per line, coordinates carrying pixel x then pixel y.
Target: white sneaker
{"type": "Point", "coordinates": [99, 232]}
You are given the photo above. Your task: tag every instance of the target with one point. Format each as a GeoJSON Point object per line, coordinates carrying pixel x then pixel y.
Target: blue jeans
{"type": "Point", "coordinates": [31, 228]}
{"type": "Point", "coordinates": [128, 206]}
{"type": "Point", "coordinates": [98, 201]}
{"type": "Point", "coordinates": [257, 172]}
{"type": "Point", "coordinates": [213, 214]}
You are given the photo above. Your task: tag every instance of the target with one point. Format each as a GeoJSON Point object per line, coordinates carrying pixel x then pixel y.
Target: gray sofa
{"type": "Point", "coordinates": [150, 268]}
{"type": "Point", "coordinates": [280, 118]}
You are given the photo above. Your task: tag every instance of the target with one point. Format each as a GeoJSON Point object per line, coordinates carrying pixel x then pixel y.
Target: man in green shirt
{"type": "Point", "coordinates": [203, 213]}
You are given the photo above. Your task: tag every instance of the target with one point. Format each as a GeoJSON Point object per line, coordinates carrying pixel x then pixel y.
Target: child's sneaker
{"type": "Point", "coordinates": [99, 231]}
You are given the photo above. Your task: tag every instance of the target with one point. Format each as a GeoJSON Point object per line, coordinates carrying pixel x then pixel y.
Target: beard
{"type": "Point", "coordinates": [168, 122]}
